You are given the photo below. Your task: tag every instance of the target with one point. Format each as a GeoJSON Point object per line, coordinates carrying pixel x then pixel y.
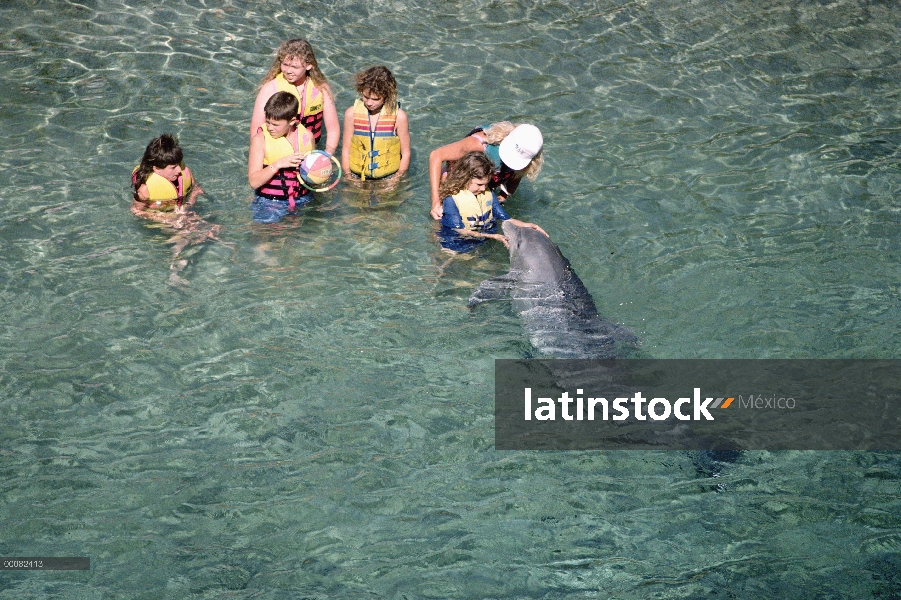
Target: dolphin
{"type": "Point", "coordinates": [557, 311]}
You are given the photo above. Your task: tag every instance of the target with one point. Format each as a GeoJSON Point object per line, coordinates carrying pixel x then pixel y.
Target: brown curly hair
{"type": "Point", "coordinates": [473, 165]}
{"type": "Point", "coordinates": [379, 81]}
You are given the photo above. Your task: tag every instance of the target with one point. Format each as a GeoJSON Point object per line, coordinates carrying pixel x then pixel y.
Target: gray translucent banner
{"type": "Point", "coordinates": [698, 404]}
{"type": "Point", "coordinates": [45, 563]}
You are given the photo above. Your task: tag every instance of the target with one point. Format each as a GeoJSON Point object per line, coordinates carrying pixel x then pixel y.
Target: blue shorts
{"type": "Point", "coordinates": [266, 210]}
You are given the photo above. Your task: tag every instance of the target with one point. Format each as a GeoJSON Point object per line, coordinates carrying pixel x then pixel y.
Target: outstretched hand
{"type": "Point", "coordinates": [537, 228]}
{"type": "Point", "coordinates": [502, 239]}
{"type": "Point", "coordinates": [519, 223]}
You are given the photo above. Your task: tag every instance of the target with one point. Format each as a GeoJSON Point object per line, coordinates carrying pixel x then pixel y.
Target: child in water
{"type": "Point", "coordinates": [470, 210]}
{"type": "Point", "coordinates": [276, 150]}
{"type": "Point", "coordinates": [376, 142]}
{"type": "Point", "coordinates": [164, 188]}
{"type": "Point", "coordinates": [163, 185]}
{"type": "Point", "coordinates": [296, 71]}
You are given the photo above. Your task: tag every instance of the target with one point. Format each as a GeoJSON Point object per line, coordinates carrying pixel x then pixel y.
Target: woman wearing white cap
{"type": "Point", "coordinates": [515, 151]}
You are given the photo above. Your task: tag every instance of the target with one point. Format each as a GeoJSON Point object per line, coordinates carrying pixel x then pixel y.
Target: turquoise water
{"type": "Point", "coordinates": [310, 415]}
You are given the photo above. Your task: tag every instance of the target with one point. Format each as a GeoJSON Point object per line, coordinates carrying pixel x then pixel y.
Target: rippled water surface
{"type": "Point", "coordinates": [311, 414]}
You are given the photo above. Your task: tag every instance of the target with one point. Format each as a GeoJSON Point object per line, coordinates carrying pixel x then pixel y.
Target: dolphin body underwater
{"type": "Point", "coordinates": [557, 311]}
{"type": "Point", "coordinates": [562, 321]}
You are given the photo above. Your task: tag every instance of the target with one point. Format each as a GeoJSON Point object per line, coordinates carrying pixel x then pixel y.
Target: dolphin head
{"type": "Point", "coordinates": [533, 256]}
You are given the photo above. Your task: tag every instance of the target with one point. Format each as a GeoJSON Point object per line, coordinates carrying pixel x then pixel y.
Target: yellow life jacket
{"type": "Point", "coordinates": [374, 152]}
{"type": "Point", "coordinates": [299, 140]}
{"type": "Point", "coordinates": [284, 185]}
{"type": "Point", "coordinates": [311, 102]}
{"type": "Point", "coordinates": [476, 211]}
{"type": "Point", "coordinates": [165, 195]}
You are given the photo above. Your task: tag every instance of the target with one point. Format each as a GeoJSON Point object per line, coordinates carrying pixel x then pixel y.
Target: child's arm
{"type": "Point", "coordinates": [438, 157]}
{"type": "Point", "coordinates": [499, 237]}
{"type": "Point", "coordinates": [519, 223]}
{"type": "Point", "coordinates": [402, 125]}
{"type": "Point", "coordinates": [345, 140]}
{"type": "Point", "coordinates": [330, 120]}
{"type": "Point", "coordinates": [501, 215]}
{"type": "Point", "coordinates": [196, 190]}
{"type": "Point", "coordinates": [450, 217]}
{"type": "Point", "coordinates": [479, 234]}
{"type": "Point", "coordinates": [143, 194]}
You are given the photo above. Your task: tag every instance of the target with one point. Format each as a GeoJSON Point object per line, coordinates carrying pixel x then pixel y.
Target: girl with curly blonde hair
{"type": "Point", "coordinates": [470, 211]}
{"type": "Point", "coordinates": [295, 70]}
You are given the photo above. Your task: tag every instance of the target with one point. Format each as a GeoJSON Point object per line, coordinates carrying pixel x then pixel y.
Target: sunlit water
{"type": "Point", "coordinates": [311, 415]}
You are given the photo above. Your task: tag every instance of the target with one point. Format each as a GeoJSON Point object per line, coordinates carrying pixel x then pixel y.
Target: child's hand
{"type": "Point", "coordinates": [192, 197]}
{"type": "Point", "coordinates": [537, 228]}
{"type": "Point", "coordinates": [519, 223]}
{"type": "Point", "coordinates": [501, 238]}
{"type": "Point", "coordinates": [289, 162]}
{"type": "Point", "coordinates": [295, 159]}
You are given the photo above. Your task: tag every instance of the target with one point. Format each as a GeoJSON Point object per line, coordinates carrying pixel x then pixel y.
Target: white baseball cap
{"type": "Point", "coordinates": [520, 146]}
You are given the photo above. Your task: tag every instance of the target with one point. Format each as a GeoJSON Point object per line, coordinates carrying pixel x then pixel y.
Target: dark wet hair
{"type": "Point", "coordinates": [281, 106]}
{"type": "Point", "coordinates": [161, 152]}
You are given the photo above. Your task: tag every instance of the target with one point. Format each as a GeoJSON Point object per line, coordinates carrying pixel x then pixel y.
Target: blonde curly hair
{"type": "Point", "coordinates": [301, 50]}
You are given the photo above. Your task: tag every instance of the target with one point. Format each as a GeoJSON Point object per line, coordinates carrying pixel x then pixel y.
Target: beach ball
{"type": "Point", "coordinates": [316, 168]}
